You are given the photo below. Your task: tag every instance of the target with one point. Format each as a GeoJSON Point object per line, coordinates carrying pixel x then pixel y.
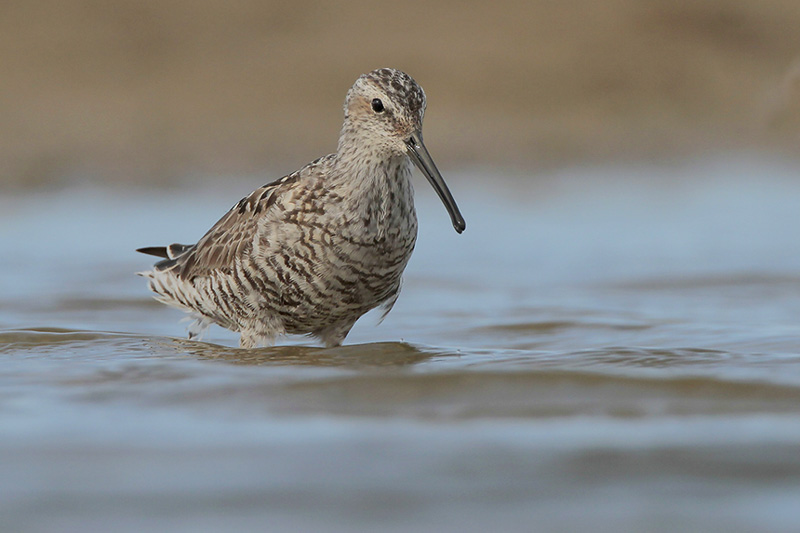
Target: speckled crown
{"type": "Point", "coordinates": [400, 86]}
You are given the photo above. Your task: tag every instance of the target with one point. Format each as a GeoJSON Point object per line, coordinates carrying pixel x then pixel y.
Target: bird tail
{"type": "Point", "coordinates": [166, 252]}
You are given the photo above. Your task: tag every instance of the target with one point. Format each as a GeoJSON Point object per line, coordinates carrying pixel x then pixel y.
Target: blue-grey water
{"type": "Point", "coordinates": [605, 348]}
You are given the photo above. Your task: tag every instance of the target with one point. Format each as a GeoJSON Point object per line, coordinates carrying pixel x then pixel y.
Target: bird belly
{"type": "Point", "coordinates": [316, 276]}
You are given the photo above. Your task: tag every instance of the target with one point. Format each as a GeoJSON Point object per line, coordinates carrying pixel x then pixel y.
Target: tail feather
{"type": "Point", "coordinates": [175, 249]}
{"type": "Point", "coordinates": [166, 252]}
{"type": "Point", "coordinates": [158, 251]}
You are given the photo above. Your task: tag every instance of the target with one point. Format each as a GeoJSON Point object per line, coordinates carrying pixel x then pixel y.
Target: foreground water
{"type": "Point", "coordinates": [608, 349]}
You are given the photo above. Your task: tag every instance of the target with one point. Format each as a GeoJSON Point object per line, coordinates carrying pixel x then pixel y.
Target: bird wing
{"type": "Point", "coordinates": [229, 238]}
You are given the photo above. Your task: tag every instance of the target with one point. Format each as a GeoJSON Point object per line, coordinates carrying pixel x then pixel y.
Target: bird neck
{"type": "Point", "coordinates": [378, 189]}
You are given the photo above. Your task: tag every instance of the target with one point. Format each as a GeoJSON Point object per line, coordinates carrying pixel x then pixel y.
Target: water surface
{"type": "Point", "coordinates": [604, 348]}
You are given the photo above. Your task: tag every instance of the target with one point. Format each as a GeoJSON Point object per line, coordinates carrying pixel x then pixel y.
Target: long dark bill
{"type": "Point", "coordinates": [419, 154]}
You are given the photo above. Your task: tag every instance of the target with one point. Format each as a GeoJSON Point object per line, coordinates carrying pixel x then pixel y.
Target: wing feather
{"type": "Point", "coordinates": [231, 237]}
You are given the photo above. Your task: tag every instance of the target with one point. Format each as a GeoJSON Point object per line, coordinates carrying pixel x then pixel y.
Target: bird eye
{"type": "Point", "coordinates": [377, 105]}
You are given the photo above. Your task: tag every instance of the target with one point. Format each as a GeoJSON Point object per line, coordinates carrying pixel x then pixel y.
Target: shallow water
{"type": "Point", "coordinates": [605, 348]}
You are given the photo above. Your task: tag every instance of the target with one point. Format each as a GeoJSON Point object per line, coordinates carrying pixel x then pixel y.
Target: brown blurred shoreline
{"type": "Point", "coordinates": [149, 92]}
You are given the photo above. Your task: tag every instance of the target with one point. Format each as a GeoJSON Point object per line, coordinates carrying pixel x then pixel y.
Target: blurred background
{"type": "Point", "coordinates": [153, 91]}
{"type": "Point", "coordinates": [613, 344]}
